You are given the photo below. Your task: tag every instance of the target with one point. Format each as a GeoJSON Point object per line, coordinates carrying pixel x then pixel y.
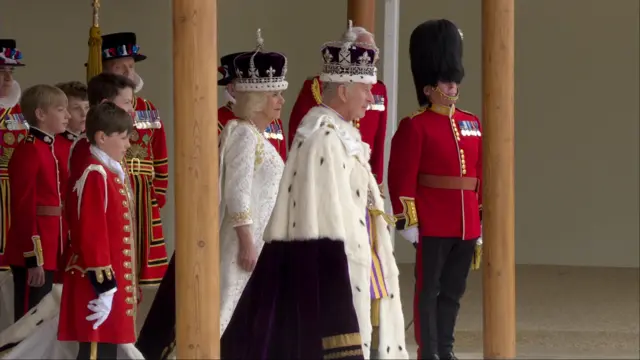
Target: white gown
{"type": "Point", "coordinates": [250, 174]}
{"type": "Point", "coordinates": [37, 334]}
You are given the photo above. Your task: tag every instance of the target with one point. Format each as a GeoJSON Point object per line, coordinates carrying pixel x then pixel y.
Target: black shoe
{"type": "Point", "coordinates": [449, 356]}
{"type": "Point", "coordinates": [432, 357]}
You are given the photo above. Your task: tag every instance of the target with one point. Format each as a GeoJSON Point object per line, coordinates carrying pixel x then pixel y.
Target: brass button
{"type": "Point", "coordinates": [126, 215]}
{"type": "Point", "coordinates": [118, 181]}
{"type": "Point", "coordinates": [461, 151]}
{"type": "Point", "coordinates": [463, 162]}
{"type": "Point", "coordinates": [128, 288]}
{"type": "Point", "coordinates": [127, 228]}
{"type": "Point", "coordinates": [130, 312]}
{"type": "Point", "coordinates": [458, 137]}
{"type": "Point", "coordinates": [127, 264]}
{"type": "Point", "coordinates": [464, 172]}
{"type": "Point", "coordinates": [129, 300]}
{"type": "Point", "coordinates": [122, 192]}
{"type": "Point", "coordinates": [126, 252]}
{"type": "Point", "coordinates": [124, 203]}
{"type": "Point", "coordinates": [128, 277]}
{"type": "Point", "coordinates": [127, 240]}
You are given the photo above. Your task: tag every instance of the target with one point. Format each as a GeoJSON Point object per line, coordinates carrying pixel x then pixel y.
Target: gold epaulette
{"type": "Point", "coordinates": [418, 112]}
{"type": "Point", "coordinates": [315, 90]}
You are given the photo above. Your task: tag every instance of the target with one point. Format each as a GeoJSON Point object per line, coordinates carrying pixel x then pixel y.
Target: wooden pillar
{"type": "Point", "coordinates": [498, 193]}
{"type": "Point", "coordinates": [363, 13]}
{"type": "Point", "coordinates": [196, 175]}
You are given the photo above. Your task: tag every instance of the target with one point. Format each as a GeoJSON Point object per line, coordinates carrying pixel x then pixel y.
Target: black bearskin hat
{"type": "Point", "coordinates": [435, 51]}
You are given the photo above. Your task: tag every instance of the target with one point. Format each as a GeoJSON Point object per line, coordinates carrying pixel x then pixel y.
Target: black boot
{"type": "Point", "coordinates": [449, 356]}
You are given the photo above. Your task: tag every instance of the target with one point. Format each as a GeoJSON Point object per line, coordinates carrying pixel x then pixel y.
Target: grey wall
{"type": "Point", "coordinates": [577, 94]}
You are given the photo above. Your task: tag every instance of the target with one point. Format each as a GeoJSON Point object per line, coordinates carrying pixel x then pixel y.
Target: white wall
{"type": "Point", "coordinates": [577, 93]}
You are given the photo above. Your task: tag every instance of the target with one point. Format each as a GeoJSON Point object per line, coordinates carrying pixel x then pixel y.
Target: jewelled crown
{"type": "Point", "coordinates": [260, 71]}
{"type": "Point", "coordinates": [348, 60]}
{"type": "Point", "coordinates": [9, 53]}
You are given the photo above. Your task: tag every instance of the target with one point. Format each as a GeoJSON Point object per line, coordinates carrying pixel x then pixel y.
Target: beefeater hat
{"type": "Point", "coordinates": [435, 51]}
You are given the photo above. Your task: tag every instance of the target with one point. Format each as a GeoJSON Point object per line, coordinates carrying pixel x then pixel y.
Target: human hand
{"type": "Point", "coordinates": [35, 276]}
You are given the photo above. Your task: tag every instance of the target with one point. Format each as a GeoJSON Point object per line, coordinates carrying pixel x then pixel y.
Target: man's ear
{"type": "Point", "coordinates": [342, 92]}
{"type": "Point", "coordinates": [427, 90]}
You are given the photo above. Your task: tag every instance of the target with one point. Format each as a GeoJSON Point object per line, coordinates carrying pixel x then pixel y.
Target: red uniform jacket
{"type": "Point", "coordinates": [35, 234]}
{"type": "Point", "coordinates": [274, 132]}
{"type": "Point", "coordinates": [148, 166]}
{"type": "Point", "coordinates": [13, 129]}
{"type": "Point", "coordinates": [100, 210]}
{"type": "Point", "coordinates": [432, 142]}
{"type": "Point", "coordinates": [62, 149]}
{"type": "Point", "coordinates": [373, 126]}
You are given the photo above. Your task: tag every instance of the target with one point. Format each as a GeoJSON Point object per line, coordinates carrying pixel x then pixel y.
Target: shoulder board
{"type": "Point", "coordinates": [466, 112]}
{"type": "Point", "coordinates": [30, 138]}
{"type": "Point", "coordinates": [316, 91]}
{"type": "Point", "coordinates": [417, 112]}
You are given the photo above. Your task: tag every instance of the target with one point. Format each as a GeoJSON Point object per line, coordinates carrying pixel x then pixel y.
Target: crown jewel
{"type": "Point", "coordinates": [260, 71]}
{"type": "Point", "coordinates": [348, 60]}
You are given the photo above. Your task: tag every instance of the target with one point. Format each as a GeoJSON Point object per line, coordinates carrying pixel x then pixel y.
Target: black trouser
{"type": "Point", "coordinates": [158, 334]}
{"type": "Point", "coordinates": [94, 351]}
{"type": "Point", "coordinates": [445, 267]}
{"type": "Point", "coordinates": [26, 297]}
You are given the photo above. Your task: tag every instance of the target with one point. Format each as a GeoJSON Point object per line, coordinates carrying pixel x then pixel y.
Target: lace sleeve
{"type": "Point", "coordinates": [242, 155]}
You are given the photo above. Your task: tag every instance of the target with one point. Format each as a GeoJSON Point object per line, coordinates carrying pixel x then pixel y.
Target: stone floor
{"type": "Point", "coordinates": [562, 313]}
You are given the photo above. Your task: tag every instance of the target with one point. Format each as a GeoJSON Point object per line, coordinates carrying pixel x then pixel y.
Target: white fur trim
{"type": "Point", "coordinates": [79, 186]}
{"type": "Point", "coordinates": [13, 98]}
{"type": "Point", "coordinates": [327, 176]}
{"type": "Point", "coordinates": [342, 78]}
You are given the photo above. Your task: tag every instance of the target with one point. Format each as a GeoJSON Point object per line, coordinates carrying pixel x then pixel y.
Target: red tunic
{"type": "Point", "coordinates": [430, 142]}
{"type": "Point", "coordinates": [13, 129]}
{"type": "Point", "coordinates": [62, 148]}
{"type": "Point", "coordinates": [274, 132]}
{"type": "Point", "coordinates": [35, 234]}
{"type": "Point", "coordinates": [373, 126]}
{"type": "Point", "coordinates": [103, 248]}
{"type": "Point", "coordinates": [148, 166]}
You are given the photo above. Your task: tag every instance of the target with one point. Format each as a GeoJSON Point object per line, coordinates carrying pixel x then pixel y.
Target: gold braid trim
{"type": "Point", "coordinates": [341, 341]}
{"type": "Point", "coordinates": [102, 272]}
{"type": "Point", "coordinates": [315, 90]}
{"type": "Point", "coordinates": [37, 250]}
{"type": "Point", "coordinates": [409, 212]}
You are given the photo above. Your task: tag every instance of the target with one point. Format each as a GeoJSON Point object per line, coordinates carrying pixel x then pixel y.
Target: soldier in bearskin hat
{"type": "Point", "coordinates": [435, 185]}
{"type": "Point", "coordinates": [274, 132]}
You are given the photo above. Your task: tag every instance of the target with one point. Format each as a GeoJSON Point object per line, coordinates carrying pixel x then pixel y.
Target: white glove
{"type": "Point", "coordinates": [479, 241]}
{"type": "Point", "coordinates": [410, 234]}
{"type": "Point", "coordinates": [101, 308]}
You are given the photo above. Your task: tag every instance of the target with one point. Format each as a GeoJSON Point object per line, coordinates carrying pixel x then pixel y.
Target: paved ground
{"type": "Point", "coordinates": [562, 313]}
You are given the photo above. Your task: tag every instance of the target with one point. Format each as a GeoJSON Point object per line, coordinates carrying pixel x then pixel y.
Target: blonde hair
{"type": "Point", "coordinates": [42, 97]}
{"type": "Point", "coordinates": [248, 103]}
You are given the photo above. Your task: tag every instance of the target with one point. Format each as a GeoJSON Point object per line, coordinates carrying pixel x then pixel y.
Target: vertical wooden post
{"type": "Point", "coordinates": [498, 196]}
{"type": "Point", "coordinates": [196, 172]}
{"type": "Point", "coordinates": [363, 13]}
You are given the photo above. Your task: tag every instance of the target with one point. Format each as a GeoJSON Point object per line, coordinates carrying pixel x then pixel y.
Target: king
{"type": "Point", "coordinates": [326, 282]}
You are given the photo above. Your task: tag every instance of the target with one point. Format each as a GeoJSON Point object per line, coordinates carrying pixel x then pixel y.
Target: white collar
{"type": "Point", "coordinates": [107, 160]}
{"type": "Point", "coordinates": [228, 97]}
{"type": "Point", "coordinates": [14, 96]}
{"type": "Point", "coordinates": [139, 83]}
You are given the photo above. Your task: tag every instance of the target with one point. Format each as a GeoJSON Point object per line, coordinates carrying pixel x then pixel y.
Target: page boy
{"type": "Point", "coordinates": [35, 233]}
{"type": "Point", "coordinates": [98, 306]}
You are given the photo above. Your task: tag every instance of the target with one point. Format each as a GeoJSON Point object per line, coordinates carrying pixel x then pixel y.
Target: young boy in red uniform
{"type": "Point", "coordinates": [78, 107]}
{"type": "Point", "coordinates": [98, 305]}
{"type": "Point", "coordinates": [35, 234]}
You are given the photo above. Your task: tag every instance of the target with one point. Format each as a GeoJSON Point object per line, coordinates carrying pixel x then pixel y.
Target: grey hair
{"type": "Point", "coordinates": [248, 103]}
{"type": "Point", "coordinates": [330, 90]}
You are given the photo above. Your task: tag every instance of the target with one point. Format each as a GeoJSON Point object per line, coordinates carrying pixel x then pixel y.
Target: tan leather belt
{"type": "Point", "coordinates": [48, 210]}
{"type": "Point", "coordinates": [448, 182]}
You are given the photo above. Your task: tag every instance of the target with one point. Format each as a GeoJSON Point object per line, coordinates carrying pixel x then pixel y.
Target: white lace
{"type": "Point", "coordinates": [251, 177]}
